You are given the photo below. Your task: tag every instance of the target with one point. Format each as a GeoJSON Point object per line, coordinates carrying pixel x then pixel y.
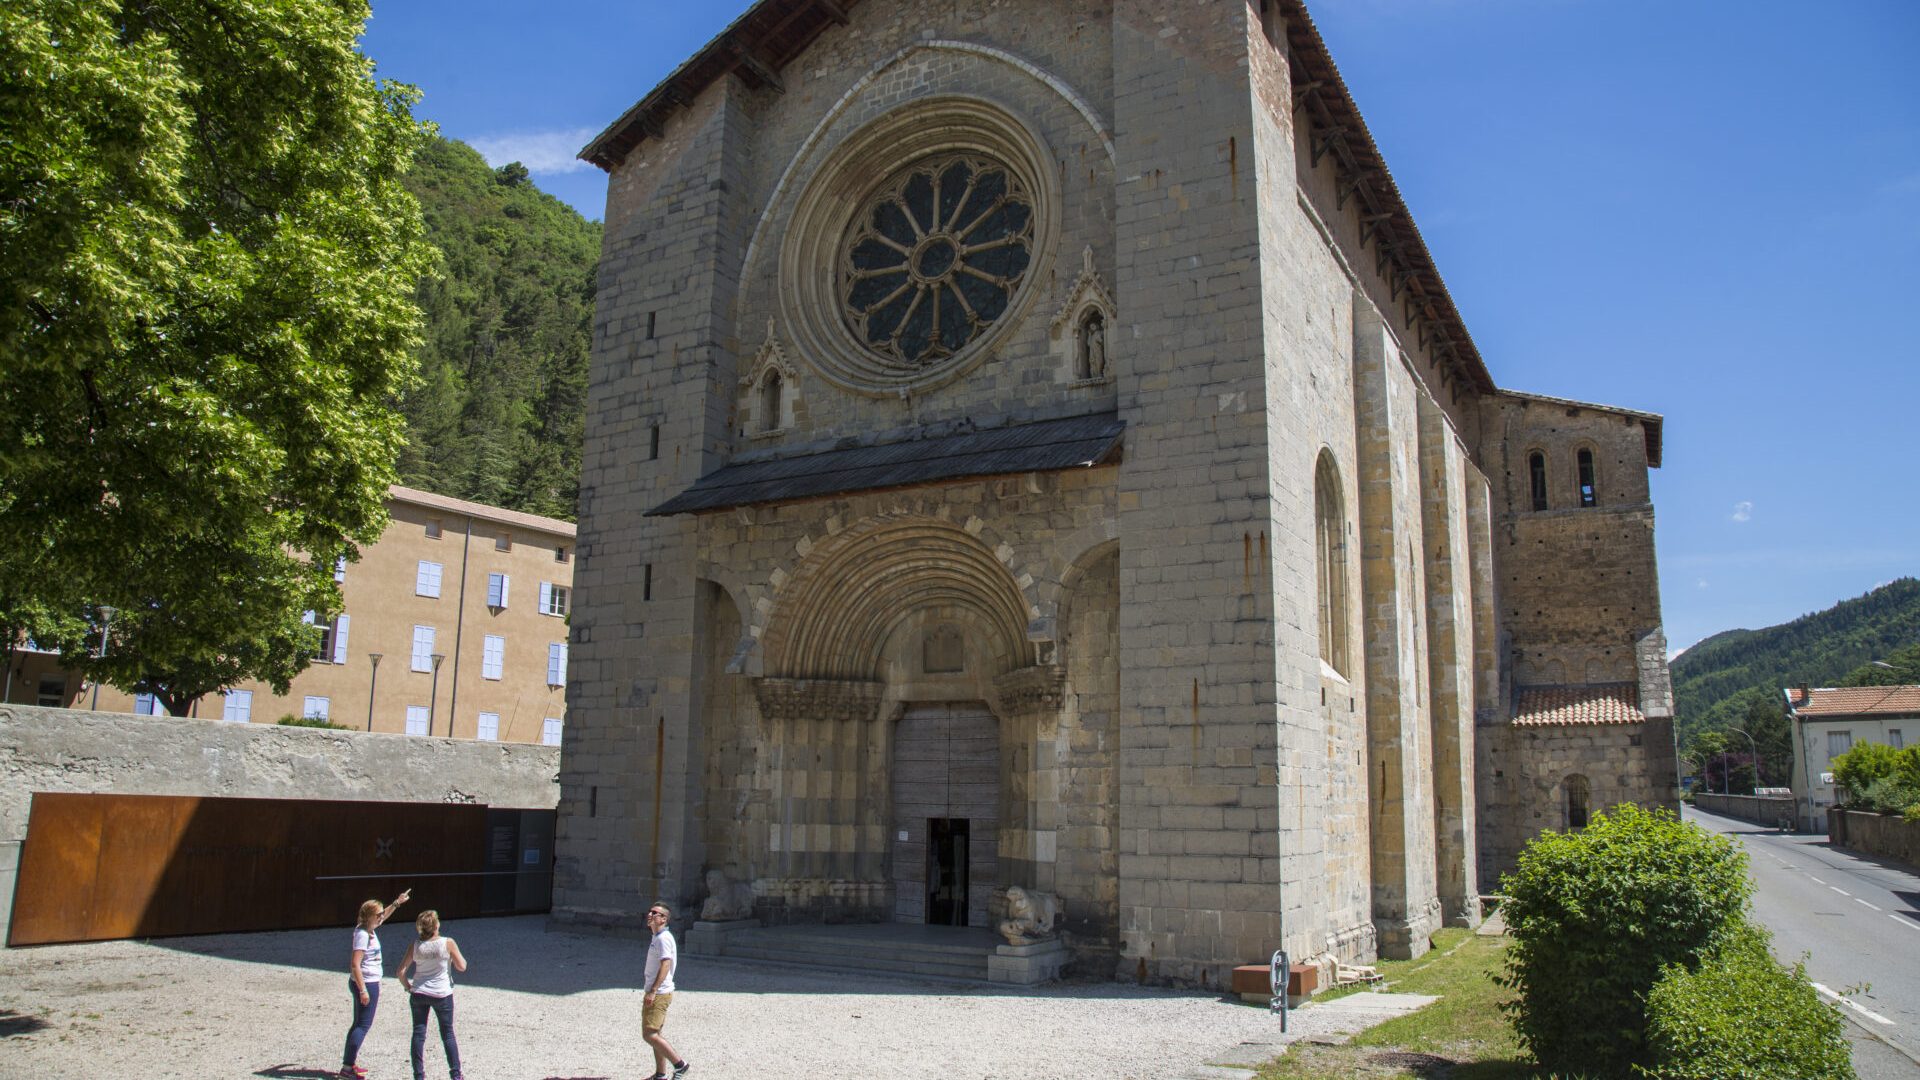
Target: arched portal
{"type": "Point", "coordinates": [904, 718]}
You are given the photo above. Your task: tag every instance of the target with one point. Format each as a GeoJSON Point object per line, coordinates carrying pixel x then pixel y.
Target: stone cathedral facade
{"type": "Point", "coordinates": [1030, 444]}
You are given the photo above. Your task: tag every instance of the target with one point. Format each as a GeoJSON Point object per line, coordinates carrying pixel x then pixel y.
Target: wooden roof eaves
{"type": "Point", "coordinates": [758, 44]}
{"type": "Point", "coordinates": [1314, 74]}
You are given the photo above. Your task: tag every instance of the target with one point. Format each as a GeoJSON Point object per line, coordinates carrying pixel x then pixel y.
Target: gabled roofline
{"type": "Point", "coordinates": [1653, 423]}
{"type": "Point", "coordinates": [481, 511]}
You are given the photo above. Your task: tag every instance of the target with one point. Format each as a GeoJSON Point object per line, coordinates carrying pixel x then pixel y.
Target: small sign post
{"type": "Point", "coordinates": [1281, 971]}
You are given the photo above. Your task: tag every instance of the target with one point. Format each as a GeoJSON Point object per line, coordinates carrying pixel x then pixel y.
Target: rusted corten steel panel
{"type": "Point", "coordinates": [101, 867]}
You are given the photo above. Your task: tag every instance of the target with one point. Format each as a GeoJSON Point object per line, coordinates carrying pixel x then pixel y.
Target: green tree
{"type": "Point", "coordinates": [208, 313]}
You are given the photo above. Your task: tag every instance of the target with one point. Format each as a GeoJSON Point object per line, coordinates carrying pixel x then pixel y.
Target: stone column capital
{"type": "Point", "coordinates": [818, 699]}
{"type": "Point", "coordinates": [1040, 688]}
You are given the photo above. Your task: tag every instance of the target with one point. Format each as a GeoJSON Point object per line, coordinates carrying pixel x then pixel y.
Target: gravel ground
{"type": "Point", "coordinates": [546, 1005]}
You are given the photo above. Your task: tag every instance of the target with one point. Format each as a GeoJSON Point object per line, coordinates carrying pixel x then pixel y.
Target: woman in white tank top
{"type": "Point", "coordinates": [433, 959]}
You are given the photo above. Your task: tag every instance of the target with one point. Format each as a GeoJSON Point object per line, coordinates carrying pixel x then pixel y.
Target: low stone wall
{"type": "Point", "coordinates": [1887, 835]}
{"type": "Point", "coordinates": [1768, 810]}
{"type": "Point", "coordinates": [72, 750]}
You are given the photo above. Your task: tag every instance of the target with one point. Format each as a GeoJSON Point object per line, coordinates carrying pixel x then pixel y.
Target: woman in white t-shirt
{"type": "Point", "coordinates": [363, 971]}
{"type": "Point", "coordinates": [433, 959]}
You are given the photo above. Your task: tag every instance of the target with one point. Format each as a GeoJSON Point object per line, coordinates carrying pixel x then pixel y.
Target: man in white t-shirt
{"type": "Point", "coordinates": [661, 960]}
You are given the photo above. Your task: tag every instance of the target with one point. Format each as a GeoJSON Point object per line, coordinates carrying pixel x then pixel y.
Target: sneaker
{"type": "Point", "coordinates": [680, 1070]}
{"type": "Point", "coordinates": [352, 1072]}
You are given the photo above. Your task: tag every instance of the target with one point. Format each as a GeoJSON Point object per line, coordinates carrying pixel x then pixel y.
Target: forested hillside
{"type": "Point", "coordinates": [509, 321]}
{"type": "Point", "coordinates": [1734, 679]}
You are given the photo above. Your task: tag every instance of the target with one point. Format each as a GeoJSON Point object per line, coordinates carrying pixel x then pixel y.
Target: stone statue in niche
{"type": "Point", "coordinates": [1030, 916]}
{"type": "Point", "coordinates": [726, 900]}
{"type": "Point", "coordinates": [1093, 346]}
{"type": "Point", "coordinates": [943, 652]}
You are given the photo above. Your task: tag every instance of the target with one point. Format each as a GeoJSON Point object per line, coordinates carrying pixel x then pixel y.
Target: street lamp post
{"type": "Point", "coordinates": [1758, 780]}
{"type": "Point", "coordinates": [433, 697]}
{"type": "Point", "coordinates": [105, 627]}
{"type": "Point", "coordinates": [373, 681]}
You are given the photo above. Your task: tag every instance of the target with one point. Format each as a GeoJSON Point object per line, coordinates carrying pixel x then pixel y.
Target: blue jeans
{"type": "Point", "coordinates": [443, 1012]}
{"type": "Point", "coordinates": [362, 1020]}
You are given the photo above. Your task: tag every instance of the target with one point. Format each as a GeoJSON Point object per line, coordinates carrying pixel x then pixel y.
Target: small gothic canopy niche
{"type": "Point", "coordinates": [769, 399]}
{"type": "Point", "coordinates": [1083, 329]}
{"type": "Point", "coordinates": [943, 651]}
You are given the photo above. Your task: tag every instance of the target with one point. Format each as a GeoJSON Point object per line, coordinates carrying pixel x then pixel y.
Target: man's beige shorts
{"type": "Point", "coordinates": [654, 1016]}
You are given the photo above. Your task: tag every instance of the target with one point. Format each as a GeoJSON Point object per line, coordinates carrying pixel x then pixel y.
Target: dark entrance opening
{"type": "Point", "coordinates": [947, 871]}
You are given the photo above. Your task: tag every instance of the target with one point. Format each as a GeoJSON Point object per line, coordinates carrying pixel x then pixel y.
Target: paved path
{"type": "Point", "coordinates": [558, 1006]}
{"type": "Point", "coordinates": [1856, 919]}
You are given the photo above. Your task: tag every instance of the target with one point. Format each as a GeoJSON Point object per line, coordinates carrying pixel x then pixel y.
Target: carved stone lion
{"type": "Point", "coordinates": [726, 900]}
{"type": "Point", "coordinates": [1030, 916]}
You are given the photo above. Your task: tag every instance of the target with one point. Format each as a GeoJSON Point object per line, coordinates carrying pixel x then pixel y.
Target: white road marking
{"type": "Point", "coordinates": [1815, 880]}
{"type": "Point", "coordinates": [1841, 891]}
{"type": "Point", "coordinates": [1857, 900]}
{"type": "Point", "coordinates": [1855, 1006]}
{"type": "Point", "coordinates": [1908, 923]}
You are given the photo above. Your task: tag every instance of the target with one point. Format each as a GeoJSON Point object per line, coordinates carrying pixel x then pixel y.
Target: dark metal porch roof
{"type": "Point", "coordinates": [1076, 442]}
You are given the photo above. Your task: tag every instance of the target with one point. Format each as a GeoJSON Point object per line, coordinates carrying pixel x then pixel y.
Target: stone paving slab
{"type": "Point", "coordinates": [539, 1005]}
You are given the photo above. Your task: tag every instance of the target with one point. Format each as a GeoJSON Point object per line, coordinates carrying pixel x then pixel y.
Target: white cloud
{"type": "Point", "coordinates": [543, 152]}
{"type": "Point", "coordinates": [1701, 584]}
{"type": "Point", "coordinates": [1743, 511]}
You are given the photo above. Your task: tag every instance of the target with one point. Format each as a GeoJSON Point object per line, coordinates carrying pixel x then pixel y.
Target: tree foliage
{"type": "Point", "coordinates": [1596, 915]}
{"type": "Point", "coordinates": [1735, 679]}
{"type": "Point", "coordinates": [209, 310]}
{"type": "Point", "coordinates": [498, 414]}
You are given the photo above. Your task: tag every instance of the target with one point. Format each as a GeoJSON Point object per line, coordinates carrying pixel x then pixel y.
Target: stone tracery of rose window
{"type": "Point", "coordinates": [935, 257]}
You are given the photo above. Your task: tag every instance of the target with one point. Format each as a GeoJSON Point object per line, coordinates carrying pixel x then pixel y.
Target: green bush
{"type": "Point", "coordinates": [1887, 795]}
{"type": "Point", "coordinates": [1742, 1016]}
{"type": "Point", "coordinates": [1865, 763]}
{"type": "Point", "coordinates": [1596, 915]}
{"type": "Point", "coordinates": [311, 721]}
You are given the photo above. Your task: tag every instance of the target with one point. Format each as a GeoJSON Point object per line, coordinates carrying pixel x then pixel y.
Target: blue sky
{"type": "Point", "coordinates": [1709, 210]}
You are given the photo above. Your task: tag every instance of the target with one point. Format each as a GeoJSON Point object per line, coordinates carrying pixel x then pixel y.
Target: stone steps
{"type": "Point", "coordinates": [954, 961]}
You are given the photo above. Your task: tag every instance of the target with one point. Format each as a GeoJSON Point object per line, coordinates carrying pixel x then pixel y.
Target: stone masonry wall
{"type": "Point", "coordinates": [1524, 769]}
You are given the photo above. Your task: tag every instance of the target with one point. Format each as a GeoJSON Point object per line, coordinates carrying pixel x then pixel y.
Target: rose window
{"type": "Point", "coordinates": [935, 257]}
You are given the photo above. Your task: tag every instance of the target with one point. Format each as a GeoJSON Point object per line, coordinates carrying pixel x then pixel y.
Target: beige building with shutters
{"type": "Point", "coordinates": [488, 590]}
{"type": "Point", "coordinates": [1029, 444]}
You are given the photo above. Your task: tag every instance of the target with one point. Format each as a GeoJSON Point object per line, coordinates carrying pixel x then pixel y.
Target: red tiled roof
{"type": "Point", "coordinates": [1600, 703]}
{"type": "Point", "coordinates": [1854, 700]}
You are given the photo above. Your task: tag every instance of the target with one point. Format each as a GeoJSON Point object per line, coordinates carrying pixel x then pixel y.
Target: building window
{"type": "Point", "coordinates": [653, 443]}
{"type": "Point", "coordinates": [53, 693]}
{"type": "Point", "coordinates": [1895, 739]}
{"type": "Point", "coordinates": [554, 599]}
{"type": "Point", "coordinates": [1838, 742]}
{"type": "Point", "coordinates": [497, 590]}
{"type": "Point", "coordinates": [417, 720]}
{"type": "Point", "coordinates": [646, 582]}
{"type": "Point", "coordinates": [239, 707]}
{"type": "Point", "coordinates": [489, 728]}
{"type": "Point", "coordinates": [1587, 494]}
{"type": "Point", "coordinates": [426, 579]}
{"type": "Point", "coordinates": [503, 542]}
{"type": "Point", "coordinates": [550, 731]}
{"type": "Point", "coordinates": [557, 664]}
{"type": "Point", "coordinates": [935, 257]}
{"type": "Point", "coordinates": [1537, 479]}
{"type": "Point", "coordinates": [332, 648]}
{"type": "Point", "coordinates": [493, 657]}
{"type": "Point", "coordinates": [433, 528]}
{"type": "Point", "coordinates": [561, 554]}
{"type": "Point", "coordinates": [340, 569]}
{"type": "Point", "coordinates": [317, 708]}
{"type": "Point", "coordinates": [148, 705]}
{"type": "Point", "coordinates": [423, 648]}
{"type": "Point", "coordinates": [1576, 802]}
{"type": "Point", "coordinates": [770, 401]}
{"type": "Point", "coordinates": [1330, 533]}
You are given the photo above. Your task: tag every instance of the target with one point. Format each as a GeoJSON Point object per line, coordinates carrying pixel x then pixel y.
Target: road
{"type": "Point", "coordinates": [1856, 920]}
